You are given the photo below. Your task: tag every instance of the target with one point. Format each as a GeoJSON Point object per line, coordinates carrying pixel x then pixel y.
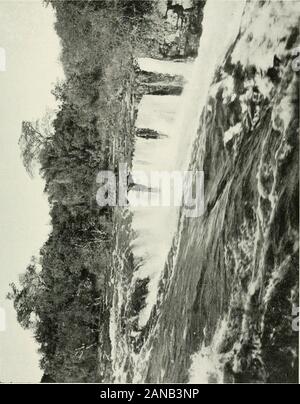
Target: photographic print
{"type": "Point", "coordinates": [149, 194]}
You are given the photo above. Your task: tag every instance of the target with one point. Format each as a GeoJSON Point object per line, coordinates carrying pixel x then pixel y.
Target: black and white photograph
{"type": "Point", "coordinates": [149, 200]}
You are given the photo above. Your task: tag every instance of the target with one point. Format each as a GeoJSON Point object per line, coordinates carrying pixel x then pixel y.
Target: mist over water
{"type": "Point", "coordinates": [154, 226]}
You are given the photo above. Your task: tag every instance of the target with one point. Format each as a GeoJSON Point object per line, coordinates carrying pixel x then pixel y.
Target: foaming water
{"type": "Point", "coordinates": [165, 67]}
{"type": "Point", "coordinates": [206, 366]}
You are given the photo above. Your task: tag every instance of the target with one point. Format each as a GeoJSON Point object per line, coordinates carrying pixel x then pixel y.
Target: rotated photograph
{"type": "Point", "coordinates": [149, 220]}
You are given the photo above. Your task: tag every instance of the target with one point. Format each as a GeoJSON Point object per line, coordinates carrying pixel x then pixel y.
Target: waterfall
{"type": "Point", "coordinates": [154, 226]}
{"type": "Point", "coordinates": [178, 118]}
{"type": "Point", "coordinates": [165, 67]}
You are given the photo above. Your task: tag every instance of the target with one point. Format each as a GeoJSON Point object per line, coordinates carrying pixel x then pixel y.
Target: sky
{"type": "Point", "coordinates": [31, 48]}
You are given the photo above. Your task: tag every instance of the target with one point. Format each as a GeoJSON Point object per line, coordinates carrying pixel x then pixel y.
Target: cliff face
{"type": "Point", "coordinates": [157, 84]}
{"type": "Point", "coordinates": [183, 28]}
{"type": "Point", "coordinates": [231, 294]}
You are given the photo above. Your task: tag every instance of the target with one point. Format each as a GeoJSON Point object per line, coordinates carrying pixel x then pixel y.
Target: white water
{"type": "Point", "coordinates": [178, 118]}
{"type": "Point", "coordinates": [165, 67]}
{"type": "Point", "coordinates": [206, 367]}
{"type": "Point", "coordinates": [154, 226]}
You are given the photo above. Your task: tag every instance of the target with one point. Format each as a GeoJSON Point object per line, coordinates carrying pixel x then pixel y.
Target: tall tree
{"type": "Point", "coordinates": [34, 136]}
